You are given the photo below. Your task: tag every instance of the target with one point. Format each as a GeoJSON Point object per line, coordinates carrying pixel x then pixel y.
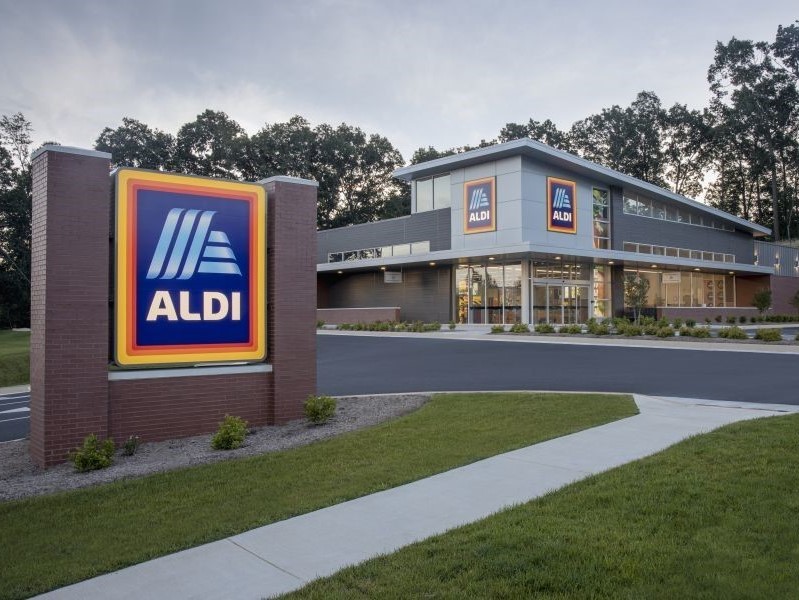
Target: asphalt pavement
{"type": "Point", "coordinates": [352, 364]}
{"type": "Point", "coordinates": [14, 415]}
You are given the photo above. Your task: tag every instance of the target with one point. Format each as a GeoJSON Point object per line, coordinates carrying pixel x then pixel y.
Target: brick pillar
{"type": "Point", "coordinates": [69, 300]}
{"type": "Point", "coordinates": [291, 294]}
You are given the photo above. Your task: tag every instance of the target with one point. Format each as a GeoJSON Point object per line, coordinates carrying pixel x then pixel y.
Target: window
{"type": "Point", "coordinates": [420, 247]}
{"type": "Point", "coordinates": [678, 252]}
{"type": "Point", "coordinates": [601, 219]}
{"type": "Point", "coordinates": [634, 204]}
{"type": "Point", "coordinates": [433, 193]}
{"type": "Point", "coordinates": [424, 195]}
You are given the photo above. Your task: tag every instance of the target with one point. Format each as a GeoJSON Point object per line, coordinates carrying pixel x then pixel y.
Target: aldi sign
{"type": "Point", "coordinates": [480, 206]}
{"type": "Point", "coordinates": [190, 270]}
{"type": "Point", "coordinates": [561, 205]}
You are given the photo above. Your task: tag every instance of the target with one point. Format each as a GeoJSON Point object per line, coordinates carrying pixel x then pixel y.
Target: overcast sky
{"type": "Point", "coordinates": [421, 73]}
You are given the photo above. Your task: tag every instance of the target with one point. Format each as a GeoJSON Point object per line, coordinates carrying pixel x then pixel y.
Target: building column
{"type": "Point", "coordinates": [69, 300]}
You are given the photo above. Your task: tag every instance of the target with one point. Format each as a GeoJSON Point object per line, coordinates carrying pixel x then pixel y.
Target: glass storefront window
{"type": "Point", "coordinates": [494, 294]}
{"type": "Point", "coordinates": [513, 293]}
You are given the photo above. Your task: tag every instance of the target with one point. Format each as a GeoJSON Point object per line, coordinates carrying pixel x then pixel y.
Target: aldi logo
{"type": "Point", "coordinates": [479, 206]}
{"type": "Point", "coordinates": [190, 270]}
{"type": "Point", "coordinates": [561, 205]}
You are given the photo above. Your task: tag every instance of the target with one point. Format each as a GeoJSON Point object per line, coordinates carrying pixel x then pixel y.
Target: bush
{"type": "Point", "coordinates": [130, 446]}
{"type": "Point", "coordinates": [544, 328]}
{"type": "Point", "coordinates": [320, 323]}
{"type": "Point", "coordinates": [451, 325]}
{"type": "Point", "coordinates": [701, 332]}
{"type": "Point", "coordinates": [595, 328]}
{"type": "Point", "coordinates": [571, 329]}
{"type": "Point", "coordinates": [663, 322]}
{"type": "Point", "coordinates": [651, 329]}
{"type": "Point", "coordinates": [733, 333]}
{"type": "Point", "coordinates": [497, 329]}
{"type": "Point", "coordinates": [718, 318]}
{"type": "Point", "coordinates": [731, 320]}
{"type": "Point", "coordinates": [319, 409]}
{"type": "Point", "coordinates": [769, 335]}
{"type": "Point", "coordinates": [797, 337]}
{"type": "Point", "coordinates": [231, 433]}
{"type": "Point", "coordinates": [93, 455]}
{"type": "Point", "coordinates": [677, 323]}
{"type": "Point", "coordinates": [665, 332]}
{"type": "Point", "coordinates": [632, 330]}
{"type": "Point", "coordinates": [519, 328]}
{"type": "Point", "coordinates": [742, 319]}
{"type": "Point", "coordinates": [690, 323]}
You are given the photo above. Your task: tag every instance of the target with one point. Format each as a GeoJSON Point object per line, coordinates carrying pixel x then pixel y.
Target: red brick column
{"type": "Point", "coordinates": [69, 300]}
{"type": "Point", "coordinates": [291, 294]}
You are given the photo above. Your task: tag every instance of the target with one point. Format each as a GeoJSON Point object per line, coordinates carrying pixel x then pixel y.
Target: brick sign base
{"type": "Point", "coordinates": [73, 391]}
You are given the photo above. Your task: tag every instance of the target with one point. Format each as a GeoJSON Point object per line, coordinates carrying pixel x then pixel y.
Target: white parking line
{"type": "Point", "coordinates": [15, 419]}
{"type": "Point", "coordinates": [15, 410]}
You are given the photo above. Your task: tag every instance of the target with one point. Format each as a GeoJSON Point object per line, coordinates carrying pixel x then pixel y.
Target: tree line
{"type": "Point", "coordinates": [741, 152]}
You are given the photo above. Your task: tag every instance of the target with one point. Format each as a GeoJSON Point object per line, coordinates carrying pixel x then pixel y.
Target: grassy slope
{"type": "Point", "coordinates": [714, 517]}
{"type": "Point", "coordinates": [14, 358]}
{"type": "Point", "coordinates": [55, 540]}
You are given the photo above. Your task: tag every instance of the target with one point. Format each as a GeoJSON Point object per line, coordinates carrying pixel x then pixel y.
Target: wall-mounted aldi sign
{"type": "Point", "coordinates": [561, 205]}
{"type": "Point", "coordinates": [480, 205]}
{"type": "Point", "coordinates": [190, 270]}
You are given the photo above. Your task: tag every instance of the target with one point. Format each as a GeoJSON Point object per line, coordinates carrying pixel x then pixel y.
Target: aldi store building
{"type": "Point", "coordinates": [523, 233]}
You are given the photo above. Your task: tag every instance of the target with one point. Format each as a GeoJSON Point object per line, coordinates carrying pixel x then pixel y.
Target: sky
{"type": "Point", "coordinates": [421, 73]}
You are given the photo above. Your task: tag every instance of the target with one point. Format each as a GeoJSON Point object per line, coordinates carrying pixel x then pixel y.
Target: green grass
{"type": "Point", "coordinates": [715, 517]}
{"type": "Point", "coordinates": [14, 357]}
{"type": "Point", "coordinates": [54, 540]}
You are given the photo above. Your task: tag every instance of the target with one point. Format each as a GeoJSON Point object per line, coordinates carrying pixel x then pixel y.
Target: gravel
{"type": "Point", "coordinates": [20, 478]}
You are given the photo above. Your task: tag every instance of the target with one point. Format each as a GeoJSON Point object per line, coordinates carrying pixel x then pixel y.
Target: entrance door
{"type": "Point", "coordinates": [575, 304]}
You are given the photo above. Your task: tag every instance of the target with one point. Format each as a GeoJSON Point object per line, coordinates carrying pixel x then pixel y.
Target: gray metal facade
{"type": "Point", "coordinates": [646, 230]}
{"type": "Point", "coordinates": [432, 226]}
{"type": "Point", "coordinates": [784, 259]}
{"type": "Point", "coordinates": [423, 295]}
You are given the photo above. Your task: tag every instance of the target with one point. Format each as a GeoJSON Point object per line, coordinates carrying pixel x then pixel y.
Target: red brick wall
{"type": "Point", "coordinates": [164, 408]}
{"type": "Point", "coordinates": [782, 292]}
{"type": "Point", "coordinates": [69, 304]}
{"type": "Point", "coordinates": [291, 296]}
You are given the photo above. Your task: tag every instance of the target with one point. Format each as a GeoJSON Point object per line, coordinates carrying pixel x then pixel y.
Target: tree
{"type": "Point", "coordinates": [542, 131]}
{"type": "Point", "coordinates": [213, 145]}
{"type": "Point", "coordinates": [636, 289]}
{"type": "Point", "coordinates": [762, 300]}
{"type": "Point", "coordinates": [134, 144]}
{"type": "Point", "coordinates": [755, 85]}
{"type": "Point", "coordinates": [15, 221]}
{"type": "Point", "coordinates": [686, 138]}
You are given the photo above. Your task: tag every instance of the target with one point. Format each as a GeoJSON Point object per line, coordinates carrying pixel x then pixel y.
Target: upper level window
{"type": "Point", "coordinates": [636, 204]}
{"type": "Point", "coordinates": [433, 193]}
{"type": "Point", "coordinates": [601, 219]}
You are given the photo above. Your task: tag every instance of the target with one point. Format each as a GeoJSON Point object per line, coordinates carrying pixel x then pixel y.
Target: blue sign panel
{"type": "Point", "coordinates": [190, 270]}
{"type": "Point", "coordinates": [561, 205]}
{"type": "Point", "coordinates": [479, 206]}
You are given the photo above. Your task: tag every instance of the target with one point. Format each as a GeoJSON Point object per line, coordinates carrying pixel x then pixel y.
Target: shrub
{"type": "Point", "coordinates": [761, 300]}
{"type": "Point", "coordinates": [544, 328]}
{"type": "Point", "coordinates": [797, 337]}
{"type": "Point", "coordinates": [319, 409]}
{"type": "Point", "coordinates": [677, 323]}
{"type": "Point", "coordinates": [769, 335]}
{"type": "Point", "coordinates": [320, 323]}
{"type": "Point", "coordinates": [663, 322]}
{"type": "Point", "coordinates": [665, 332]}
{"type": "Point", "coordinates": [93, 455]}
{"type": "Point", "coordinates": [231, 433]}
{"type": "Point", "coordinates": [131, 445]}
{"type": "Point", "coordinates": [690, 323]}
{"type": "Point", "coordinates": [707, 320]}
{"type": "Point", "coordinates": [718, 318]}
{"type": "Point", "coordinates": [497, 329]}
{"type": "Point", "coordinates": [451, 325]}
{"type": "Point", "coordinates": [742, 319]}
{"type": "Point", "coordinates": [731, 320]}
{"type": "Point", "coordinates": [632, 330]}
{"type": "Point", "coordinates": [595, 328]}
{"type": "Point", "coordinates": [571, 329]}
{"type": "Point", "coordinates": [701, 332]}
{"type": "Point", "coordinates": [651, 329]}
{"type": "Point", "coordinates": [733, 333]}
{"type": "Point", "coordinates": [519, 328]}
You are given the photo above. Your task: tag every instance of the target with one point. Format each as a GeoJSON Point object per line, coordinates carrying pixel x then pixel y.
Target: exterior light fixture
{"type": "Point", "coordinates": [382, 268]}
{"type": "Point", "coordinates": [696, 268]}
{"type": "Point", "coordinates": [491, 258]}
{"type": "Point", "coordinates": [557, 258]}
{"type": "Point", "coordinates": [653, 266]}
{"type": "Point", "coordinates": [432, 264]}
{"type": "Point", "coordinates": [611, 262]}
{"type": "Point", "coordinates": [732, 272]}
{"type": "Point", "coordinates": [340, 272]}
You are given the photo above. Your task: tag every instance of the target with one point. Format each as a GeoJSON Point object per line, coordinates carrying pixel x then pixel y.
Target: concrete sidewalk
{"type": "Point", "coordinates": [286, 555]}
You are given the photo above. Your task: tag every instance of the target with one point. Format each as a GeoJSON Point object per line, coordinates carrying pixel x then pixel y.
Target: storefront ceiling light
{"type": "Point", "coordinates": [696, 268]}
{"type": "Point", "coordinates": [653, 266]}
{"type": "Point", "coordinates": [491, 258]}
{"type": "Point", "coordinates": [557, 258]}
{"type": "Point", "coordinates": [611, 262]}
{"type": "Point", "coordinates": [382, 268]}
{"type": "Point", "coordinates": [432, 264]}
{"type": "Point", "coordinates": [339, 272]}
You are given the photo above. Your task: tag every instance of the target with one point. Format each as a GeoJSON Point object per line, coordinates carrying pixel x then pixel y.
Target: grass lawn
{"type": "Point", "coordinates": [715, 517]}
{"type": "Point", "coordinates": [14, 358]}
{"type": "Point", "coordinates": [54, 540]}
